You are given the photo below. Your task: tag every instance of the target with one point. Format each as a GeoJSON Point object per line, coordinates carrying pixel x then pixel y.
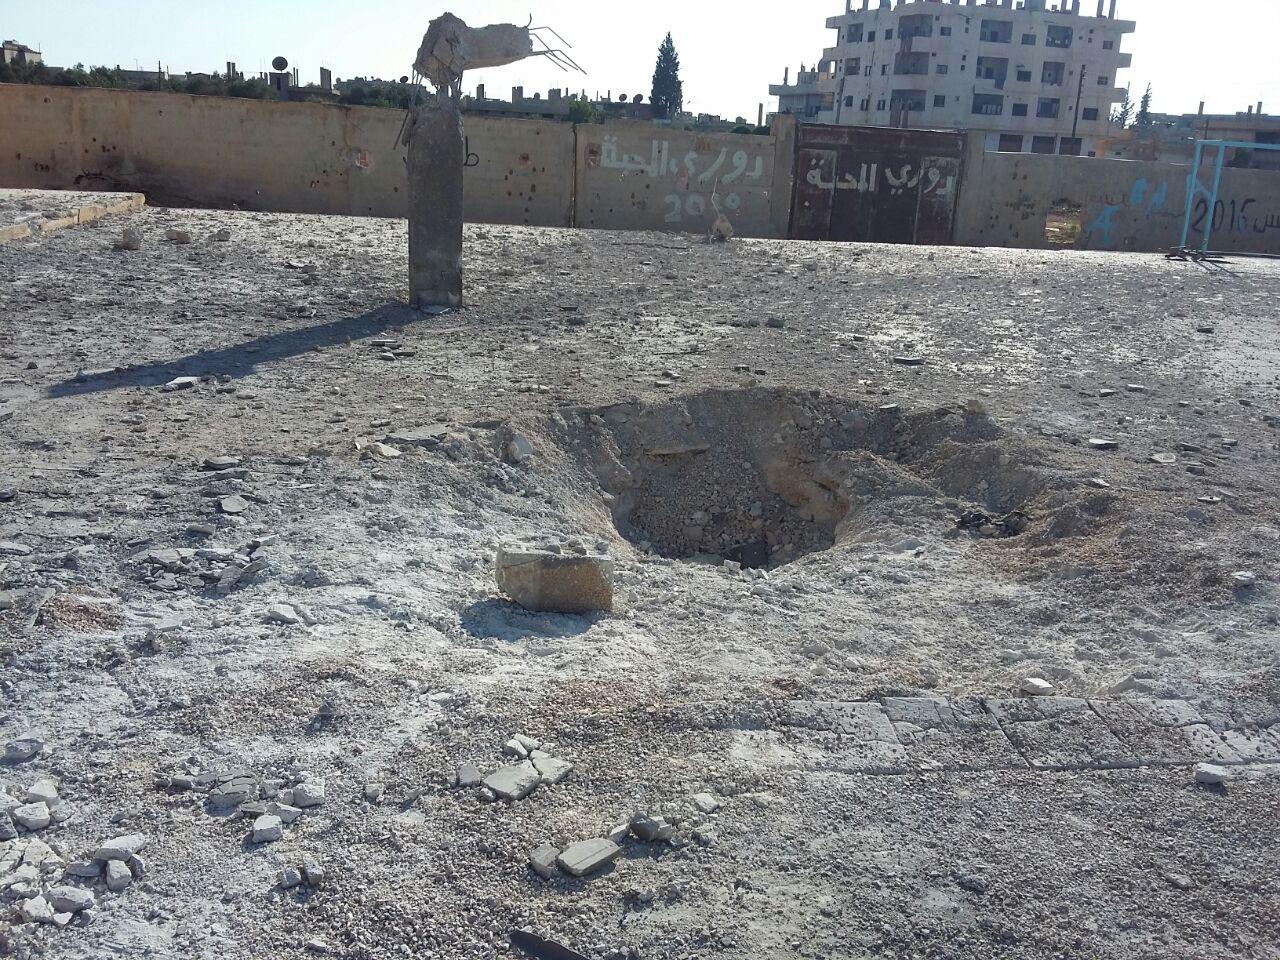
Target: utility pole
{"type": "Point", "coordinates": [1075, 121]}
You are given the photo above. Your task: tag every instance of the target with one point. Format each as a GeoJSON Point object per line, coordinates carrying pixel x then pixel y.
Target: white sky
{"type": "Point", "coordinates": [1220, 51]}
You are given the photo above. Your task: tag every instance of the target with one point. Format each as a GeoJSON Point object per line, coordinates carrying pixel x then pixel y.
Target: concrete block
{"type": "Point", "coordinates": [552, 582]}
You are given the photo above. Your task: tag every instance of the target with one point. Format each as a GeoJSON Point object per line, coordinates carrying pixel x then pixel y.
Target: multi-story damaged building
{"type": "Point", "coordinates": [1033, 77]}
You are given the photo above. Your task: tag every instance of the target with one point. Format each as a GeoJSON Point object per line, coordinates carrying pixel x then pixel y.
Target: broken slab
{"type": "Point", "coordinates": [514, 782]}
{"type": "Point", "coordinates": [588, 856]}
{"type": "Point", "coordinates": [548, 581]}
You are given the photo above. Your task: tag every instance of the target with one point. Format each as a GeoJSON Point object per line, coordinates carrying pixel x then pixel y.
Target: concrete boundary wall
{"type": "Point", "coordinates": [268, 155]}
{"type": "Point", "coordinates": [1007, 198]}
{"type": "Point", "coordinates": [636, 176]}
{"type": "Point", "coordinates": [332, 159]}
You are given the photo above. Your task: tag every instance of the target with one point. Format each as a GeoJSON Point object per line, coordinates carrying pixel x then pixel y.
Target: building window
{"type": "Point", "coordinates": [888, 34]}
{"type": "Point", "coordinates": [988, 104]}
{"type": "Point", "coordinates": [1019, 110]}
{"type": "Point", "coordinates": [1043, 144]}
{"type": "Point", "coordinates": [879, 104]}
{"type": "Point", "coordinates": [997, 31]}
{"type": "Point", "coordinates": [868, 71]}
{"type": "Point", "coordinates": [853, 65]}
{"type": "Point", "coordinates": [865, 104]}
{"type": "Point", "coordinates": [1104, 81]}
{"type": "Point", "coordinates": [848, 101]}
{"type": "Point", "coordinates": [871, 36]}
{"type": "Point", "coordinates": [1047, 109]}
{"type": "Point", "coordinates": [1108, 44]}
{"type": "Point", "coordinates": [1089, 113]}
{"type": "Point", "coordinates": [1010, 143]}
{"type": "Point", "coordinates": [1057, 36]}
{"type": "Point", "coordinates": [1028, 39]}
{"type": "Point", "coordinates": [1053, 73]}
{"type": "Point", "coordinates": [1024, 76]}
{"type": "Point", "coordinates": [942, 68]}
{"type": "Point", "coordinates": [939, 100]}
{"type": "Point", "coordinates": [855, 33]}
{"type": "Point", "coordinates": [884, 69]}
{"type": "Point", "coordinates": [1070, 146]}
{"type": "Point", "coordinates": [944, 31]}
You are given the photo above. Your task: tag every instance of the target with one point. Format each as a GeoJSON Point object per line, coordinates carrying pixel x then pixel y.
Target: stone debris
{"type": "Point", "coordinates": [543, 860]}
{"type": "Point", "coordinates": [283, 613]}
{"type": "Point", "coordinates": [309, 793]}
{"type": "Point", "coordinates": [706, 802]}
{"type": "Point", "coordinates": [233, 505]}
{"type": "Point", "coordinates": [130, 239]}
{"type": "Point", "coordinates": [468, 776]}
{"type": "Point", "coordinates": [588, 856]}
{"type": "Point", "coordinates": [222, 236]}
{"type": "Point", "coordinates": [43, 791]}
{"type": "Point", "coordinates": [552, 770]}
{"type": "Point", "coordinates": [32, 816]}
{"type": "Point", "coordinates": [1036, 687]}
{"type": "Point", "coordinates": [313, 872]}
{"type": "Point", "coordinates": [117, 876]}
{"type": "Point", "coordinates": [651, 829]}
{"type": "Point", "coordinates": [180, 383]}
{"type": "Point", "coordinates": [268, 829]}
{"type": "Point", "coordinates": [12, 549]}
{"type": "Point", "coordinates": [22, 749]}
{"type": "Point", "coordinates": [66, 899]}
{"type": "Point", "coordinates": [177, 236]}
{"type": "Point", "coordinates": [519, 449]}
{"type": "Point", "coordinates": [552, 581]}
{"type": "Point", "coordinates": [289, 878]}
{"type": "Point", "coordinates": [121, 848]}
{"type": "Point", "coordinates": [373, 791]}
{"type": "Point", "coordinates": [1211, 774]}
{"type": "Point", "coordinates": [37, 910]}
{"type": "Point", "coordinates": [514, 782]}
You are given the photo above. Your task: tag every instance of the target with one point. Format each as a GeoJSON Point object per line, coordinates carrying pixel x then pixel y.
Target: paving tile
{"type": "Point", "coordinates": [1207, 745]}
{"type": "Point", "coordinates": [862, 722]}
{"type": "Point", "coordinates": [1171, 713]}
{"type": "Point", "coordinates": [1253, 745]}
{"type": "Point", "coordinates": [1074, 741]}
{"type": "Point", "coordinates": [924, 712]}
{"type": "Point", "coordinates": [1151, 743]}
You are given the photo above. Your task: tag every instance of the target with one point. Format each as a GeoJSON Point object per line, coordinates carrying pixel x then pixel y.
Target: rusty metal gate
{"type": "Point", "coordinates": [876, 184]}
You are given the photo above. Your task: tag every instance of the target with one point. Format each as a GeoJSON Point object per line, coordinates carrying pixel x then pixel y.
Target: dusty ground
{"type": "Point", "coordinates": [663, 407]}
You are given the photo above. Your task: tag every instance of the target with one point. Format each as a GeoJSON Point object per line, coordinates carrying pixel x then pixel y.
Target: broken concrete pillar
{"type": "Point", "coordinates": [436, 158]}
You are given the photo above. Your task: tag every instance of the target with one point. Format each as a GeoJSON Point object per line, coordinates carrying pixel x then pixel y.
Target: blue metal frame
{"type": "Point", "coordinates": [1196, 189]}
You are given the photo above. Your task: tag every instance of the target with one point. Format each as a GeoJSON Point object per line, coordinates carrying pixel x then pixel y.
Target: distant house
{"type": "Point", "coordinates": [15, 52]}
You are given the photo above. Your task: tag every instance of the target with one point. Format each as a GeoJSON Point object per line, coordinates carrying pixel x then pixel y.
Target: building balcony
{"type": "Point", "coordinates": [1126, 60]}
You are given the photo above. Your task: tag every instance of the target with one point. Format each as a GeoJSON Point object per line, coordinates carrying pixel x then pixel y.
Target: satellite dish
{"type": "Point", "coordinates": [280, 64]}
{"type": "Point", "coordinates": [404, 79]}
{"type": "Point", "coordinates": [622, 98]}
{"type": "Point", "coordinates": [638, 98]}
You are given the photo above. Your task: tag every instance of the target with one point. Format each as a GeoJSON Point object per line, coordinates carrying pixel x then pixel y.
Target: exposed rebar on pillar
{"type": "Point", "coordinates": [436, 158]}
{"type": "Point", "coordinates": [437, 146]}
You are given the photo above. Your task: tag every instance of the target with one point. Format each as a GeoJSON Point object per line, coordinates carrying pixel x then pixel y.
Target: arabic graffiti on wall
{"type": "Point", "coordinates": [1234, 215]}
{"type": "Point", "coordinates": [702, 179]}
{"type": "Point", "coordinates": [868, 180]}
{"type": "Point", "coordinates": [1237, 215]}
{"type": "Point", "coordinates": [1141, 200]}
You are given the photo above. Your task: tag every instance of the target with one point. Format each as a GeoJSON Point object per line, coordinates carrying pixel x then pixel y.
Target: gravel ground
{"type": "Point", "coordinates": [835, 729]}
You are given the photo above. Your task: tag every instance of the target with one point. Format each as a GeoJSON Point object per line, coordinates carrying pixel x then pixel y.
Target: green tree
{"type": "Point", "coordinates": [582, 111]}
{"type": "Point", "coordinates": [668, 91]}
{"type": "Point", "coordinates": [1122, 116]}
{"type": "Point", "coordinates": [1144, 120]}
